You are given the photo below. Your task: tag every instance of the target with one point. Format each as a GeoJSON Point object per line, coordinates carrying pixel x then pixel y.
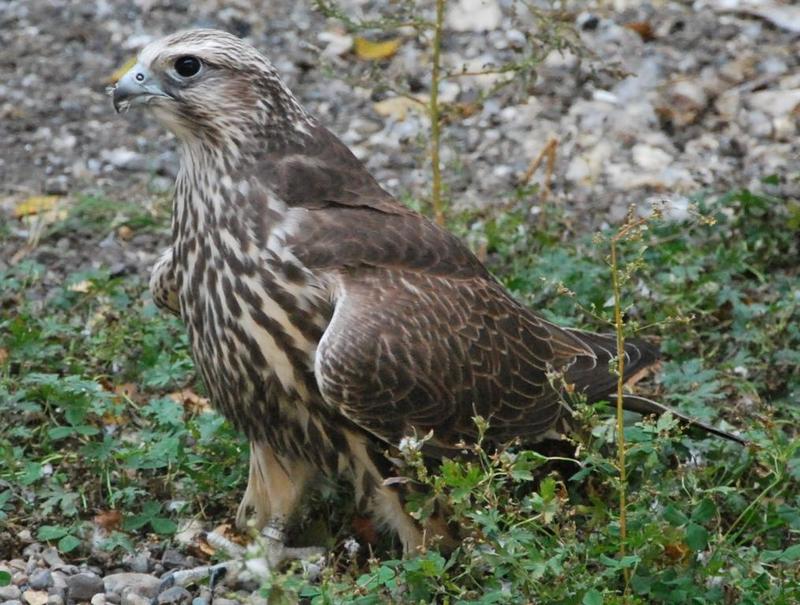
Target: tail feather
{"type": "Point", "coordinates": [646, 407]}
{"type": "Point", "coordinates": [592, 376]}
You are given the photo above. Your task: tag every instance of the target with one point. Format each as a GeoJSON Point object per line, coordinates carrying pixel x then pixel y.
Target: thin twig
{"type": "Point", "coordinates": [618, 329]}
{"type": "Point", "coordinates": [436, 192]}
{"type": "Point", "coordinates": [548, 152]}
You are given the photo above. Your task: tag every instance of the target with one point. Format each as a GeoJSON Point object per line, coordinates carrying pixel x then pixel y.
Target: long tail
{"type": "Point", "coordinates": [646, 407]}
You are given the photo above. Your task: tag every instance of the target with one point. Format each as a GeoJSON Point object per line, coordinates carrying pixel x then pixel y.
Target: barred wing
{"type": "Point", "coordinates": [407, 351]}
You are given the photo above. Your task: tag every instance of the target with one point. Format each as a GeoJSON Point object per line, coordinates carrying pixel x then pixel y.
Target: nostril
{"type": "Point", "coordinates": [140, 77]}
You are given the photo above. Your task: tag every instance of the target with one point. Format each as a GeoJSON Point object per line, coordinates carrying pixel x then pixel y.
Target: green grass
{"type": "Point", "coordinates": [89, 425]}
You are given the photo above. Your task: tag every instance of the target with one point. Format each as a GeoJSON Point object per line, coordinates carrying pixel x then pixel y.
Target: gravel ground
{"type": "Point", "coordinates": [670, 99]}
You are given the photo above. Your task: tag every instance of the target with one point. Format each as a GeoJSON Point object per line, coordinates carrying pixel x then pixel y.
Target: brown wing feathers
{"type": "Point", "coordinates": [424, 337]}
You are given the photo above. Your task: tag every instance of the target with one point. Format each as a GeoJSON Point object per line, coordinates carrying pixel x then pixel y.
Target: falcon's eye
{"type": "Point", "coordinates": [187, 66]}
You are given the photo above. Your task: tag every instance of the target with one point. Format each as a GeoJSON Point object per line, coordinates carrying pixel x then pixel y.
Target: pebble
{"type": "Point", "coordinates": [57, 185]}
{"type": "Point", "coordinates": [138, 562]}
{"type": "Point", "coordinates": [41, 579]}
{"type": "Point", "coordinates": [775, 103]}
{"type": "Point", "coordinates": [83, 586]}
{"type": "Point", "coordinates": [125, 159]}
{"type": "Point", "coordinates": [473, 15]}
{"type": "Point", "coordinates": [172, 559]}
{"type": "Point", "coordinates": [50, 556]}
{"type": "Point", "coordinates": [177, 595]}
{"type": "Point", "coordinates": [9, 593]}
{"type": "Point", "coordinates": [131, 598]}
{"type": "Point", "coordinates": [32, 549]}
{"type": "Point", "coordinates": [140, 583]}
{"type": "Point", "coordinates": [35, 597]}
{"type": "Point", "coordinates": [651, 158]}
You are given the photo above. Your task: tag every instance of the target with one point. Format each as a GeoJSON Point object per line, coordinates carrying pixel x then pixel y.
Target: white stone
{"type": "Point", "coordinates": [336, 43]}
{"type": "Point", "coordinates": [473, 15]}
{"type": "Point", "coordinates": [775, 103]}
{"type": "Point", "coordinates": [651, 158]}
{"type": "Point", "coordinates": [140, 583]}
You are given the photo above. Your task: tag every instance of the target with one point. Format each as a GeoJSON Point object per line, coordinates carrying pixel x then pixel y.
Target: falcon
{"type": "Point", "coordinates": [328, 321]}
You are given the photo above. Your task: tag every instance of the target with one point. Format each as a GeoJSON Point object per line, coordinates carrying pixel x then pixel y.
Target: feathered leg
{"type": "Point", "coordinates": [274, 487]}
{"type": "Point", "coordinates": [162, 284]}
{"type": "Point", "coordinates": [383, 502]}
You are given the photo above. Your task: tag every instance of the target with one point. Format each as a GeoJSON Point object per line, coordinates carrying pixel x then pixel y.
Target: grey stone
{"type": "Point", "coordinates": [9, 593]}
{"type": "Point", "coordinates": [25, 536]}
{"type": "Point", "coordinates": [83, 586]}
{"type": "Point", "coordinates": [50, 556]}
{"type": "Point", "coordinates": [131, 598]}
{"type": "Point", "coordinates": [57, 185]}
{"type": "Point", "coordinates": [172, 559]}
{"type": "Point", "coordinates": [126, 159]}
{"type": "Point", "coordinates": [59, 583]}
{"type": "Point", "coordinates": [41, 579]}
{"type": "Point", "coordinates": [12, 602]}
{"type": "Point", "coordinates": [177, 595]}
{"type": "Point", "coordinates": [55, 599]}
{"type": "Point", "coordinates": [140, 583]}
{"type": "Point", "coordinates": [32, 549]}
{"type": "Point", "coordinates": [139, 563]}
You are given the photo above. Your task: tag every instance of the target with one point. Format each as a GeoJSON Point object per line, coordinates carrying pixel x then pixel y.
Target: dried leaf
{"type": "Point", "coordinates": [3, 355]}
{"type": "Point", "coordinates": [190, 400]}
{"type": "Point", "coordinates": [121, 71]}
{"type": "Point", "coordinates": [125, 233]}
{"type": "Point", "coordinates": [643, 28]}
{"type": "Point", "coordinates": [375, 51]}
{"type": "Point", "coordinates": [365, 530]}
{"type": "Point", "coordinates": [109, 520]}
{"type": "Point", "coordinates": [676, 551]}
{"type": "Point", "coordinates": [226, 530]}
{"type": "Point", "coordinates": [82, 286]}
{"type": "Point", "coordinates": [36, 204]}
{"type": "Point", "coordinates": [397, 108]}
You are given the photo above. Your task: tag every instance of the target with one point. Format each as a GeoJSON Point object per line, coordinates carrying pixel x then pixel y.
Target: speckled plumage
{"type": "Point", "coordinates": [327, 320]}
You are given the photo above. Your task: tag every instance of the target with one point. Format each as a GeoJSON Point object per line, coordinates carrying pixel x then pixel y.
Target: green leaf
{"type": "Point", "coordinates": [548, 489]}
{"type": "Point", "coordinates": [161, 525]}
{"type": "Point", "coordinates": [791, 554]}
{"type": "Point", "coordinates": [60, 432]}
{"type": "Point", "coordinates": [68, 543]}
{"type": "Point", "coordinates": [592, 597]}
{"type": "Point", "coordinates": [704, 511]}
{"type": "Point", "coordinates": [673, 516]}
{"type": "Point", "coordinates": [696, 537]}
{"type": "Point", "coordinates": [51, 532]}
{"type": "Point", "coordinates": [5, 578]}
{"type": "Point", "coordinates": [33, 472]}
{"type": "Point", "coordinates": [641, 584]}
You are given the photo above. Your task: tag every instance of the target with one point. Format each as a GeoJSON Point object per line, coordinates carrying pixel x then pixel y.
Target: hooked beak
{"type": "Point", "coordinates": [136, 87]}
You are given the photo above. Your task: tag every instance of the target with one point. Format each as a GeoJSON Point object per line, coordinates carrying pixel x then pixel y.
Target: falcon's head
{"type": "Point", "coordinates": [209, 84]}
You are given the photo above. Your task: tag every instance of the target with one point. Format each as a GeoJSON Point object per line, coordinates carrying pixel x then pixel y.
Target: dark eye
{"type": "Point", "coordinates": [187, 66]}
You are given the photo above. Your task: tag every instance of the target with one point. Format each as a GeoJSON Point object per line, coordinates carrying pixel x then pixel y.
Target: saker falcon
{"type": "Point", "coordinates": [327, 320]}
